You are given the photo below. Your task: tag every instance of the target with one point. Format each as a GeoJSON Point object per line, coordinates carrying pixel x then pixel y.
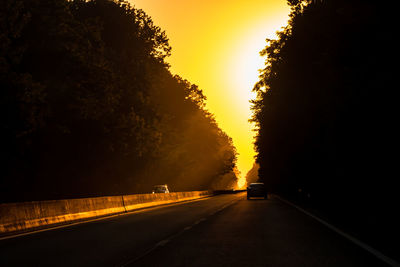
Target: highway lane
{"type": "Point", "coordinates": [108, 242]}
{"type": "Point", "coordinates": [259, 233]}
{"type": "Point", "coordinates": [226, 230]}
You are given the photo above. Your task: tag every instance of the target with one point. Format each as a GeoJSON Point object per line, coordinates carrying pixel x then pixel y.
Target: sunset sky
{"type": "Point", "coordinates": [216, 44]}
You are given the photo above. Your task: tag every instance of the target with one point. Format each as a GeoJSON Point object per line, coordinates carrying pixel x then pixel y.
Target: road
{"type": "Point", "coordinates": [225, 230]}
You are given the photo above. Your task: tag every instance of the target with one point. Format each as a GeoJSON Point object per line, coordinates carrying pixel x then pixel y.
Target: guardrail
{"type": "Point", "coordinates": [26, 216]}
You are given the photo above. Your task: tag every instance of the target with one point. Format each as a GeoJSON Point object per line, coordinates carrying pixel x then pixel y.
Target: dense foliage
{"type": "Point", "coordinates": [326, 111]}
{"type": "Point", "coordinates": [90, 108]}
{"type": "Point", "coordinates": [252, 174]}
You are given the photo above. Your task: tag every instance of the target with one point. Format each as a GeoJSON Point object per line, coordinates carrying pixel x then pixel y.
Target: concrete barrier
{"type": "Point", "coordinates": [132, 202]}
{"type": "Point", "coordinates": [18, 217]}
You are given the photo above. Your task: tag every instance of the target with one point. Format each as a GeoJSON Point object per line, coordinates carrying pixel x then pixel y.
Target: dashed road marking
{"type": "Point", "coordinates": [162, 243]}
{"type": "Point", "coordinates": [199, 221]}
{"type": "Point", "coordinates": [165, 241]}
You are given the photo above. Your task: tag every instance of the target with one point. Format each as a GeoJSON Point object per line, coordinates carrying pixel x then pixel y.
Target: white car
{"type": "Point", "coordinates": [162, 188]}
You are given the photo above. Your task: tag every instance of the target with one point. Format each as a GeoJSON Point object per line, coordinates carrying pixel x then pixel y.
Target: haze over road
{"type": "Point", "coordinates": [225, 230]}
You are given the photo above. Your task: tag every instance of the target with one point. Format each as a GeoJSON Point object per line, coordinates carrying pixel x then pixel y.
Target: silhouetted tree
{"type": "Point", "coordinates": [252, 174]}
{"type": "Point", "coordinates": [90, 108]}
{"type": "Point", "coordinates": [325, 110]}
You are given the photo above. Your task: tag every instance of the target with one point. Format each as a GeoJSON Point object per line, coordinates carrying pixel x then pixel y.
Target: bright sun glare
{"type": "Point", "coordinates": [244, 72]}
{"type": "Point", "coordinates": [245, 76]}
{"type": "Point", "coordinates": [216, 45]}
{"type": "Point", "coordinates": [248, 62]}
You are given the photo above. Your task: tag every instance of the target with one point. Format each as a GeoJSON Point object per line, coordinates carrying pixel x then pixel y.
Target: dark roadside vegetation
{"type": "Point", "coordinates": [90, 108]}
{"type": "Point", "coordinates": [327, 115]}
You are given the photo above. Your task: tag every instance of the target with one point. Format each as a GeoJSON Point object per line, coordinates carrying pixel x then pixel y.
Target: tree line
{"type": "Point", "coordinates": [89, 106]}
{"type": "Point", "coordinates": [326, 113]}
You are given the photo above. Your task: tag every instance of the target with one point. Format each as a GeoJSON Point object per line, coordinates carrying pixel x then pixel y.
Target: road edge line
{"type": "Point", "coordinates": [102, 217]}
{"type": "Point", "coordinates": [366, 247]}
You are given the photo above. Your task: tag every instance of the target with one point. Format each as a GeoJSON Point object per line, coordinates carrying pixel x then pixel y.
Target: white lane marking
{"type": "Point", "coordinates": [162, 243]}
{"type": "Point", "coordinates": [165, 241]}
{"type": "Point", "coordinates": [226, 205]}
{"type": "Point", "coordinates": [199, 221]}
{"type": "Point", "coordinates": [371, 250]}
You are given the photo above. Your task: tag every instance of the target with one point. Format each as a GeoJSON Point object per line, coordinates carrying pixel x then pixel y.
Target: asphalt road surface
{"type": "Point", "coordinates": [225, 230]}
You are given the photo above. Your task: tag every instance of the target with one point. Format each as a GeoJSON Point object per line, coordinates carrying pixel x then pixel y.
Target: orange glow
{"type": "Point", "coordinates": [216, 44]}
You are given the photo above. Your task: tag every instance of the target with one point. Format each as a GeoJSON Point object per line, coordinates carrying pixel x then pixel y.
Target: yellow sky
{"type": "Point", "coordinates": [216, 44]}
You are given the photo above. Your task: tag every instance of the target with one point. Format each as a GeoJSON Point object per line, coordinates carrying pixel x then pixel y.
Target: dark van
{"type": "Point", "coordinates": [257, 190]}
